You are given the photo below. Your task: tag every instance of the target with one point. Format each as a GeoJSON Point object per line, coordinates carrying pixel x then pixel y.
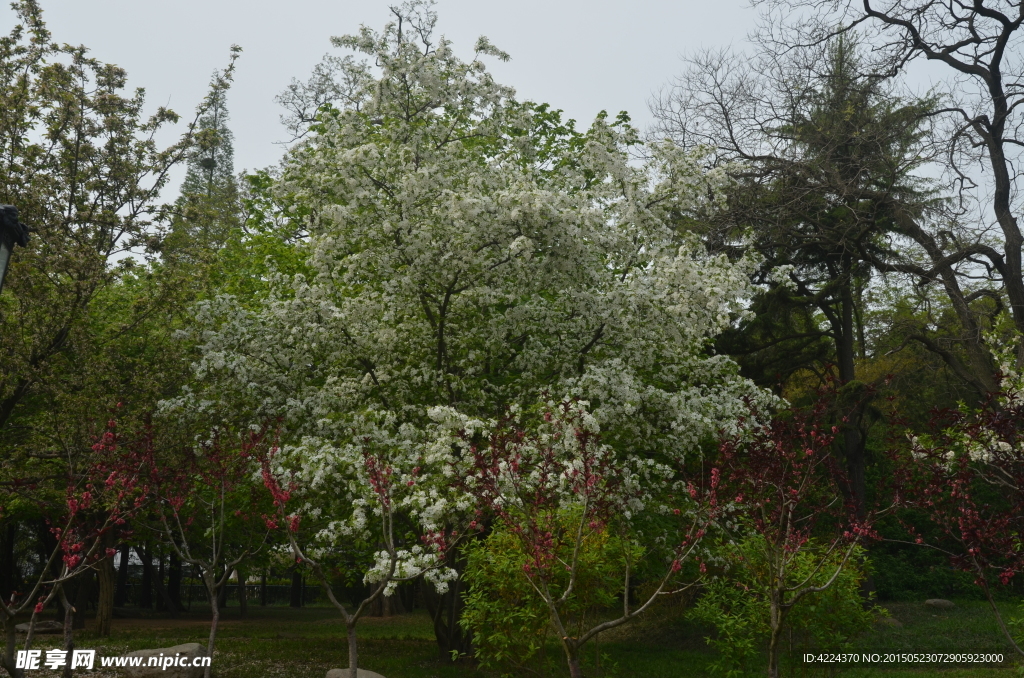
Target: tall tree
{"type": "Point", "coordinates": [824, 159]}
{"type": "Point", "coordinates": [977, 44]}
{"type": "Point", "coordinates": [209, 208]}
{"type": "Point", "coordinates": [83, 315]}
{"type": "Point", "coordinates": [80, 161]}
{"type": "Point", "coordinates": [473, 251]}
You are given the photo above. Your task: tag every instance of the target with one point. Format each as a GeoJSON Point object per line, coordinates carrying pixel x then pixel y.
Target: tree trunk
{"type": "Point", "coordinates": [214, 621]}
{"type": "Point", "coordinates": [853, 441]}
{"type": "Point", "coordinates": [387, 606]}
{"type": "Point", "coordinates": [296, 592]}
{"type": "Point", "coordinates": [161, 598]}
{"type": "Point", "coordinates": [82, 597]}
{"type": "Point", "coordinates": [8, 576]}
{"type": "Point", "coordinates": [776, 620]}
{"type": "Point", "coordinates": [105, 607]}
{"type": "Point", "coordinates": [446, 610]}
{"type": "Point", "coordinates": [10, 649]}
{"type": "Point", "coordinates": [243, 604]}
{"type": "Point", "coordinates": [69, 639]}
{"type": "Point", "coordinates": [47, 544]}
{"type": "Point", "coordinates": [773, 656]}
{"type": "Point", "coordinates": [222, 594]}
{"type": "Point", "coordinates": [151, 582]}
{"type": "Point", "coordinates": [353, 651]}
{"type": "Point", "coordinates": [572, 656]}
{"type": "Point", "coordinates": [409, 600]}
{"type": "Point", "coordinates": [263, 589]}
{"type": "Point", "coordinates": [165, 597]}
{"type": "Point", "coordinates": [396, 603]}
{"type": "Point", "coordinates": [174, 581]}
{"type": "Point", "coordinates": [121, 593]}
{"type": "Point", "coordinates": [188, 590]}
{"type": "Point", "coordinates": [146, 590]}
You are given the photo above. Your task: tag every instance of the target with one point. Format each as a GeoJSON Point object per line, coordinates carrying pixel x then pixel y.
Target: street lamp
{"type": "Point", "coordinates": [12, 232]}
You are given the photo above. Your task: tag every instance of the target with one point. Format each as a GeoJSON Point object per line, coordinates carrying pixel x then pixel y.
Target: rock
{"type": "Point", "coordinates": [889, 621]}
{"type": "Point", "coordinates": [940, 604]}
{"type": "Point", "coordinates": [189, 651]}
{"type": "Point", "coordinates": [42, 627]}
{"type": "Point", "coordinates": [343, 673]}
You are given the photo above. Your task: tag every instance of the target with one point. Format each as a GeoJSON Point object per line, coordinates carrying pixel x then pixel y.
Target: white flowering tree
{"type": "Point", "coordinates": [470, 251]}
{"type": "Point", "coordinates": [364, 493]}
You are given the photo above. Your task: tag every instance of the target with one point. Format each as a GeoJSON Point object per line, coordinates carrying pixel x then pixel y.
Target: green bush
{"type": "Point", "coordinates": [736, 605]}
{"type": "Point", "coordinates": [508, 618]}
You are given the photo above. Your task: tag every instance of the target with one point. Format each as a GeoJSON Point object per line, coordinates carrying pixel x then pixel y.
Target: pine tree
{"type": "Point", "coordinates": [826, 161]}
{"type": "Point", "coordinates": [208, 208]}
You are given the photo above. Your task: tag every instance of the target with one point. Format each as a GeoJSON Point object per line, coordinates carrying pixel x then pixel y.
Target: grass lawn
{"type": "Point", "coordinates": [304, 643]}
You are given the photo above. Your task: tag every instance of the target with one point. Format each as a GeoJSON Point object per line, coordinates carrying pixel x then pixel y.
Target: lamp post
{"type": "Point", "coordinates": [12, 232]}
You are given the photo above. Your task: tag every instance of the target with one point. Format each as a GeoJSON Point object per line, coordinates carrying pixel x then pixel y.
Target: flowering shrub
{"type": "Point", "coordinates": [967, 475]}
{"type": "Point", "coordinates": [575, 515]}
{"type": "Point", "coordinates": [203, 500]}
{"type": "Point", "coordinates": [509, 621]}
{"type": "Point", "coordinates": [365, 501]}
{"type": "Point", "coordinates": [97, 500]}
{"type": "Point", "coordinates": [794, 514]}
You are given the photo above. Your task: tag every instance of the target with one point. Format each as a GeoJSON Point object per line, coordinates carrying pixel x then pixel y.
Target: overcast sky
{"type": "Point", "coordinates": [578, 56]}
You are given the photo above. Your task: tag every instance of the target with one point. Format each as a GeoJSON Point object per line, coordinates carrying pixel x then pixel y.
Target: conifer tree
{"type": "Point", "coordinates": [826, 177]}
{"type": "Point", "coordinates": [208, 208]}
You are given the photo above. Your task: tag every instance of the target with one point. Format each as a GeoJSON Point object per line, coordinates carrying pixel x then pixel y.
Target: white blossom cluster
{"type": "Point", "coordinates": [984, 445]}
{"type": "Point", "coordinates": [552, 459]}
{"type": "Point", "coordinates": [1007, 355]}
{"type": "Point", "coordinates": [409, 564]}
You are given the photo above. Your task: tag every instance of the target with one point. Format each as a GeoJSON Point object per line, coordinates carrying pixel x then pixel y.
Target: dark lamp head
{"type": "Point", "coordinates": [11, 229]}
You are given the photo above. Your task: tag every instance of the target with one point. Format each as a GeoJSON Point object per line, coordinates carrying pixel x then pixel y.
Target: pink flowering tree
{"type": "Point", "coordinates": [560, 492]}
{"type": "Point", "coordinates": [381, 497]}
{"type": "Point", "coordinates": [967, 474]}
{"type": "Point", "coordinates": [793, 509]}
{"type": "Point", "coordinates": [204, 501]}
{"type": "Point", "coordinates": [95, 503]}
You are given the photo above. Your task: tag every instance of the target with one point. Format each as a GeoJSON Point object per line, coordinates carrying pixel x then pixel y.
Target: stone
{"type": "Point", "coordinates": [42, 627]}
{"type": "Point", "coordinates": [940, 604]}
{"type": "Point", "coordinates": [889, 621]}
{"type": "Point", "coordinates": [343, 673]}
{"type": "Point", "coordinates": [189, 650]}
